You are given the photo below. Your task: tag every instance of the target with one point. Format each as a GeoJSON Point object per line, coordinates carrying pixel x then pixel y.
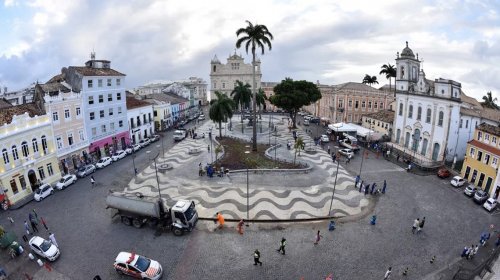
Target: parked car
{"type": "Point", "coordinates": [457, 181]}
{"type": "Point", "coordinates": [470, 190]}
{"type": "Point", "coordinates": [346, 152]}
{"type": "Point", "coordinates": [480, 197]}
{"type": "Point", "coordinates": [137, 266]}
{"type": "Point", "coordinates": [44, 248]}
{"type": "Point", "coordinates": [65, 181]}
{"type": "Point", "coordinates": [118, 155]}
{"type": "Point", "coordinates": [144, 142]}
{"type": "Point", "coordinates": [136, 147]}
{"type": "Point", "coordinates": [129, 150]}
{"type": "Point", "coordinates": [324, 138]}
{"type": "Point", "coordinates": [103, 162]}
{"type": "Point", "coordinates": [306, 122]}
{"type": "Point", "coordinates": [43, 191]}
{"type": "Point", "coordinates": [314, 120]}
{"type": "Point", "coordinates": [490, 204]}
{"type": "Point", "coordinates": [443, 173]}
{"type": "Point", "coordinates": [85, 170]}
{"type": "Point", "coordinates": [155, 138]}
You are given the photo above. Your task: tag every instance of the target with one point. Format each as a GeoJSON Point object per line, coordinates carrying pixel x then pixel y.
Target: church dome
{"type": "Point", "coordinates": [407, 52]}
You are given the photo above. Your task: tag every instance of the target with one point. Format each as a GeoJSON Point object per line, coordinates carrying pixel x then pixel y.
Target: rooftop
{"type": "Point", "coordinates": [53, 88]}
{"type": "Point", "coordinates": [383, 115]}
{"type": "Point", "coordinates": [4, 103]}
{"type": "Point", "coordinates": [133, 103]}
{"type": "Point", "coordinates": [166, 97]}
{"type": "Point", "coordinates": [90, 71]}
{"type": "Point", "coordinates": [6, 114]}
{"type": "Point", "coordinates": [495, 130]}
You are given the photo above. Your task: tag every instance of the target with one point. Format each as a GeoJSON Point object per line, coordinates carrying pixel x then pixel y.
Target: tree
{"type": "Point", "coordinates": [489, 101]}
{"type": "Point", "coordinates": [390, 72]}
{"type": "Point", "coordinates": [299, 145]}
{"type": "Point", "coordinates": [221, 109]}
{"type": "Point", "coordinates": [254, 36]}
{"type": "Point", "coordinates": [261, 101]}
{"type": "Point", "coordinates": [369, 80]}
{"type": "Point", "coordinates": [241, 95]}
{"type": "Point", "coordinates": [291, 95]}
{"type": "Point", "coordinates": [218, 149]}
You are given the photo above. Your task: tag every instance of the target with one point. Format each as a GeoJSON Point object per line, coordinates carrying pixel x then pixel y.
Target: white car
{"type": "Point", "coordinates": [346, 152]}
{"type": "Point", "coordinates": [306, 122]}
{"type": "Point", "coordinates": [457, 181]}
{"type": "Point", "coordinates": [43, 191]}
{"type": "Point", "coordinates": [44, 248]}
{"type": "Point", "coordinates": [65, 181]}
{"type": "Point", "coordinates": [118, 155]}
{"type": "Point", "coordinates": [144, 142]}
{"type": "Point", "coordinates": [137, 266]}
{"type": "Point", "coordinates": [129, 150]}
{"type": "Point", "coordinates": [136, 147]}
{"type": "Point", "coordinates": [201, 117]}
{"type": "Point", "coordinates": [325, 139]}
{"type": "Point", "coordinates": [103, 162]}
{"type": "Point", "coordinates": [490, 204]}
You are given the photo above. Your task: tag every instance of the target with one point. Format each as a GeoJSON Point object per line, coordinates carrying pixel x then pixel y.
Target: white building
{"type": "Point", "coordinates": [17, 97]}
{"type": "Point", "coordinates": [199, 89]}
{"type": "Point", "coordinates": [140, 118]}
{"type": "Point", "coordinates": [223, 77]}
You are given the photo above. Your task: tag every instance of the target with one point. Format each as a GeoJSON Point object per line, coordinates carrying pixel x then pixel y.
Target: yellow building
{"type": "Point", "coordinates": [28, 154]}
{"type": "Point", "coordinates": [482, 155]}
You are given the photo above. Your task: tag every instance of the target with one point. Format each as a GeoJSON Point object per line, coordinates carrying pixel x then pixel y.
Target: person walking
{"type": "Point", "coordinates": [357, 181]}
{"type": "Point", "coordinates": [328, 149]}
{"type": "Point", "coordinates": [239, 227]}
{"type": "Point", "coordinates": [373, 188]}
{"type": "Point", "coordinates": [33, 223]}
{"type": "Point", "coordinates": [464, 252]}
{"type": "Point", "coordinates": [44, 224]}
{"type": "Point", "coordinates": [416, 223]}
{"type": "Point", "coordinates": [53, 239]}
{"type": "Point", "coordinates": [421, 225]}
{"type": "Point", "coordinates": [361, 186]}
{"type": "Point", "coordinates": [220, 220]}
{"type": "Point", "coordinates": [470, 252]}
{"type": "Point", "coordinates": [27, 228]}
{"type": "Point", "coordinates": [92, 180]}
{"type": "Point", "coordinates": [282, 246]}
{"type": "Point", "coordinates": [200, 170]}
{"type": "Point", "coordinates": [367, 188]}
{"type": "Point", "coordinates": [256, 257]}
{"type": "Point", "coordinates": [474, 250]}
{"type": "Point", "coordinates": [384, 187]}
{"type": "Point", "coordinates": [318, 238]}
{"type": "Point", "coordinates": [388, 273]}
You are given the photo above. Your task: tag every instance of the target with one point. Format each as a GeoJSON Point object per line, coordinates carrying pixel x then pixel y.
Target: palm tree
{"type": "Point", "coordinates": [221, 109]}
{"type": "Point", "coordinates": [369, 80]}
{"type": "Point", "coordinates": [241, 95]}
{"type": "Point", "coordinates": [489, 101]}
{"type": "Point", "coordinates": [389, 71]}
{"type": "Point", "coordinates": [254, 36]}
{"type": "Point", "coordinates": [299, 145]}
{"type": "Point", "coordinates": [261, 101]}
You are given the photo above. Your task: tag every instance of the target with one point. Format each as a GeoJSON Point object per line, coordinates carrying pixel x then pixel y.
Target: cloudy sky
{"type": "Point", "coordinates": [330, 41]}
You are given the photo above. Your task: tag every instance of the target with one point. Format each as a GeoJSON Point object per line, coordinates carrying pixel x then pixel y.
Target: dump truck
{"type": "Point", "coordinates": [180, 134]}
{"type": "Point", "coordinates": [135, 209]}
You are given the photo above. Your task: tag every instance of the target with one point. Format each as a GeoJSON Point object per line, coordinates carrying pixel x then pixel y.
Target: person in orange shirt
{"type": "Point", "coordinates": [220, 219]}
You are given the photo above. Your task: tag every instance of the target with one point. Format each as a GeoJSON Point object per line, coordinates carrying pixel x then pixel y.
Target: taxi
{"type": "Point", "coordinates": [137, 266]}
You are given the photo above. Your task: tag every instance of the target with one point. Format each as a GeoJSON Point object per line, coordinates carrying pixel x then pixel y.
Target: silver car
{"type": "Point", "coordinates": [85, 170]}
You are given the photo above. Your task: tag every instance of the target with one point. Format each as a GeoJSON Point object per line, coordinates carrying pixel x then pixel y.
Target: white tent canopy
{"type": "Point", "coordinates": [357, 129]}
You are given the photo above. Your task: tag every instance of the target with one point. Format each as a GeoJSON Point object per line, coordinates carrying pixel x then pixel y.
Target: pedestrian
{"type": "Point", "coordinates": [53, 239]}
{"type": "Point", "coordinates": [92, 180]}
{"type": "Point", "coordinates": [282, 246]}
{"type": "Point", "coordinates": [10, 220]}
{"type": "Point", "coordinates": [464, 252]}
{"type": "Point", "coordinates": [27, 228]}
{"type": "Point", "coordinates": [36, 215]}
{"type": "Point", "coordinates": [33, 222]}
{"type": "Point", "coordinates": [334, 156]}
{"type": "Point", "coordinates": [384, 187]}
{"type": "Point", "coordinates": [416, 223]}
{"type": "Point", "coordinates": [220, 219]}
{"type": "Point", "coordinates": [388, 273]}
{"type": "Point", "coordinates": [348, 159]}
{"type": "Point", "coordinates": [200, 170]}
{"type": "Point", "coordinates": [361, 186]}
{"type": "Point", "coordinates": [239, 227]}
{"type": "Point", "coordinates": [373, 188]}
{"type": "Point", "coordinates": [357, 180]}
{"type": "Point", "coordinates": [397, 157]}
{"type": "Point", "coordinates": [367, 188]}
{"type": "Point", "coordinates": [421, 225]}
{"type": "Point", "coordinates": [256, 257]}
{"type": "Point", "coordinates": [476, 248]}
{"type": "Point", "coordinates": [318, 238]}
{"type": "Point", "coordinates": [470, 252]}
{"type": "Point", "coordinates": [25, 238]}
{"type": "Point", "coordinates": [328, 149]}
{"type": "Point", "coordinates": [388, 154]}
{"type": "Point", "coordinates": [44, 224]}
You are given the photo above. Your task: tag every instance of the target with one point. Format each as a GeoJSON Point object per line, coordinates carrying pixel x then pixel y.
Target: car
{"type": "Point", "coordinates": [144, 142]}
{"type": "Point", "coordinates": [129, 150]}
{"type": "Point", "coordinates": [136, 147]}
{"type": "Point", "coordinates": [85, 170]}
{"type": "Point", "coordinates": [65, 181]}
{"type": "Point", "coordinates": [490, 204]}
{"type": "Point", "coordinates": [137, 266]}
{"type": "Point", "coordinates": [154, 138]}
{"type": "Point", "coordinates": [306, 122]}
{"type": "Point", "coordinates": [470, 190]}
{"type": "Point", "coordinates": [201, 117]}
{"type": "Point", "coordinates": [480, 196]}
{"type": "Point", "coordinates": [44, 248]}
{"type": "Point", "coordinates": [346, 152]}
{"type": "Point", "coordinates": [308, 117]}
{"type": "Point", "coordinates": [103, 162]}
{"type": "Point", "coordinates": [43, 191]}
{"type": "Point", "coordinates": [118, 155]}
{"type": "Point", "coordinates": [315, 120]}
{"type": "Point", "coordinates": [443, 173]}
{"type": "Point", "coordinates": [324, 138]}
{"type": "Point", "coordinates": [457, 181]}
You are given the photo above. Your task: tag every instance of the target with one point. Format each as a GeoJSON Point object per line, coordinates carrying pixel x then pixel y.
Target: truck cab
{"type": "Point", "coordinates": [184, 216]}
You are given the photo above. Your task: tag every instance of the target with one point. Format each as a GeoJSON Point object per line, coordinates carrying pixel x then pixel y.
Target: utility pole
{"type": "Point", "coordinates": [334, 185]}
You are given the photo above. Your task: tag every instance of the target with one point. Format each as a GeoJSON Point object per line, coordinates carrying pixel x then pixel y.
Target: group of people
{"type": "Point", "coordinates": [210, 171]}
{"type": "Point", "coordinates": [418, 225]}
{"type": "Point", "coordinates": [369, 190]}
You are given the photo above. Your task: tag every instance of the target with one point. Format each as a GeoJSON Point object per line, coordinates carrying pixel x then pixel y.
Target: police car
{"type": "Point", "coordinates": [137, 266]}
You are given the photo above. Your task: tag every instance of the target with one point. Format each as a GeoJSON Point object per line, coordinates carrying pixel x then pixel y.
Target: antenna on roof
{"type": "Point", "coordinates": [92, 54]}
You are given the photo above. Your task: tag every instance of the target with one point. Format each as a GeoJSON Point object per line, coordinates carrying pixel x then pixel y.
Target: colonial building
{"type": "Point", "coordinates": [162, 112]}
{"type": "Point", "coordinates": [481, 159]}
{"type": "Point", "coordinates": [268, 88]}
{"type": "Point", "coordinates": [223, 77]}
{"type": "Point", "coordinates": [199, 89]}
{"type": "Point", "coordinates": [17, 97]}
{"type": "Point", "coordinates": [434, 119]}
{"type": "Point", "coordinates": [140, 117]}
{"type": "Point", "coordinates": [175, 112]}
{"type": "Point", "coordinates": [29, 157]}
{"type": "Point", "coordinates": [380, 122]}
{"type": "Point", "coordinates": [103, 93]}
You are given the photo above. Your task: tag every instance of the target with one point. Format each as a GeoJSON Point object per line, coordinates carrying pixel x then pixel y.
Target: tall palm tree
{"type": "Point", "coordinates": [489, 101]}
{"type": "Point", "coordinates": [221, 109]}
{"type": "Point", "coordinates": [390, 72]}
{"type": "Point", "coordinates": [254, 36]}
{"type": "Point", "coordinates": [242, 95]}
{"type": "Point", "coordinates": [370, 80]}
{"type": "Point", "coordinates": [299, 145]}
{"type": "Point", "coordinates": [260, 99]}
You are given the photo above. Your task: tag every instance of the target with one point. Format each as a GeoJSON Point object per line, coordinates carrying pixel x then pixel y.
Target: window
{"type": "Point", "coordinates": [66, 113]}
{"type": "Point", "coordinates": [92, 115]}
{"type": "Point", "coordinates": [24, 149]}
{"type": "Point", "coordinates": [49, 169]}
{"type": "Point", "coordinates": [472, 152]}
{"type": "Point", "coordinates": [428, 115]}
{"type": "Point", "coordinates": [109, 82]}
{"type": "Point", "coordinates": [400, 109]}
{"type": "Point", "coordinates": [119, 96]}
{"type": "Point", "coordinates": [13, 186]}
{"type": "Point", "coordinates": [89, 83]}
{"type": "Point", "coordinates": [223, 85]}
{"type": "Point", "coordinates": [103, 128]}
{"type": "Point", "coordinates": [44, 143]}
{"type": "Point", "coordinates": [59, 142]}
{"type": "Point", "coordinates": [363, 104]}
{"type": "Point", "coordinates": [479, 135]}
{"type": "Point", "coordinates": [22, 181]}
{"type": "Point", "coordinates": [381, 105]}
{"type": "Point", "coordinates": [112, 126]}
{"type": "Point", "coordinates": [94, 131]}
{"type": "Point", "coordinates": [215, 85]}
{"type": "Point", "coordinates": [34, 143]}
{"type": "Point", "coordinates": [155, 113]}
{"type": "Point", "coordinates": [5, 156]}
{"type": "Point", "coordinates": [110, 97]}
{"type": "Point", "coordinates": [494, 140]}
{"type": "Point", "coordinates": [81, 135]}
{"type": "Point", "coordinates": [70, 139]}
{"type": "Point", "coordinates": [78, 111]}
{"type": "Point", "coordinates": [356, 104]}
{"type": "Point", "coordinates": [494, 162]}
{"type": "Point", "coordinates": [101, 114]}
{"type": "Point", "coordinates": [479, 155]}
{"type": "Point", "coordinates": [120, 123]}
{"type": "Point", "coordinates": [41, 172]}
{"type": "Point", "coordinates": [419, 113]}
{"type": "Point", "coordinates": [341, 103]}
{"type": "Point", "coordinates": [99, 83]}
{"type": "Point", "coordinates": [118, 82]}
{"type": "Point", "coordinates": [461, 122]}
{"type": "Point", "coordinates": [110, 111]}
{"type": "Point", "coordinates": [101, 98]}
{"type": "Point", "coordinates": [91, 100]}
{"type": "Point", "coordinates": [375, 105]}
{"type": "Point", "coordinates": [369, 104]}
{"type": "Point", "coordinates": [349, 103]}
{"type": "Point", "coordinates": [55, 116]}
{"type": "Point", "coordinates": [486, 137]}
{"type": "Point", "coordinates": [466, 123]}
{"type": "Point", "coordinates": [119, 110]}
{"type": "Point", "coordinates": [410, 112]}
{"type": "Point", "coordinates": [440, 119]}
{"type": "Point", "coordinates": [487, 159]}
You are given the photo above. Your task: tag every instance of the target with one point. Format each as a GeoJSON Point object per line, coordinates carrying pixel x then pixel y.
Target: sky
{"type": "Point", "coordinates": [328, 41]}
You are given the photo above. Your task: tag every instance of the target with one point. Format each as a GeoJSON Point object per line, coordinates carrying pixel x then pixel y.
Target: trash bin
{"type": "Point", "coordinates": [331, 226]}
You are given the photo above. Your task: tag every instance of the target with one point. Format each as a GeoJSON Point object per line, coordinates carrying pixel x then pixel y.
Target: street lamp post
{"type": "Point", "coordinates": [156, 172]}
{"type": "Point", "coordinates": [275, 148]}
{"type": "Point", "coordinates": [364, 151]}
{"type": "Point", "coordinates": [334, 185]}
{"type": "Point", "coordinates": [133, 162]}
{"type": "Point", "coordinates": [210, 135]}
{"type": "Point", "coordinates": [248, 192]}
